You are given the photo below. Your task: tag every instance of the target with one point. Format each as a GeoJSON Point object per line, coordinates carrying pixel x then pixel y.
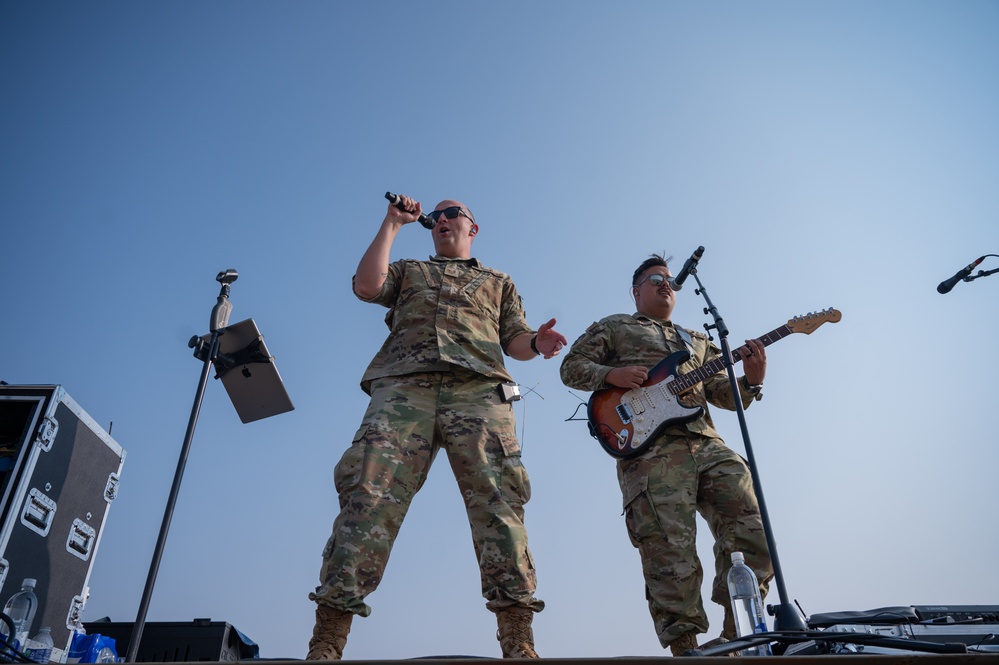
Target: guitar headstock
{"type": "Point", "coordinates": [809, 322]}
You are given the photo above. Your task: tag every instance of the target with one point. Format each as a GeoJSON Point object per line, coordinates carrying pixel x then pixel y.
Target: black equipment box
{"type": "Point", "coordinates": [171, 642]}
{"type": "Point", "coordinates": [59, 474]}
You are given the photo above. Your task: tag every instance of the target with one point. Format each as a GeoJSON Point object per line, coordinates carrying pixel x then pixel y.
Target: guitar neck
{"type": "Point", "coordinates": [686, 381]}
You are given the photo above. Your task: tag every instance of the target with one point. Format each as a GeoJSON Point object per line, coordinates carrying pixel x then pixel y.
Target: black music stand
{"type": "Point", "coordinates": [247, 371]}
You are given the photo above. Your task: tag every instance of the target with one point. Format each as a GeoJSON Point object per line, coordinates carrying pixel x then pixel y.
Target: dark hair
{"type": "Point", "coordinates": [653, 260]}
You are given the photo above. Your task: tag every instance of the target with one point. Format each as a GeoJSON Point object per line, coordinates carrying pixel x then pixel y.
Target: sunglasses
{"type": "Point", "coordinates": [655, 279]}
{"type": "Point", "coordinates": [449, 213]}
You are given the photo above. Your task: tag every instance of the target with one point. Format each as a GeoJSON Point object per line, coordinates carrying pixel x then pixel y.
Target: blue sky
{"type": "Point", "coordinates": [825, 155]}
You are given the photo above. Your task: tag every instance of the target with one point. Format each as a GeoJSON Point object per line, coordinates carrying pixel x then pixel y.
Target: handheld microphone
{"type": "Point", "coordinates": [948, 284]}
{"type": "Point", "coordinates": [688, 267]}
{"type": "Point", "coordinates": [397, 202]}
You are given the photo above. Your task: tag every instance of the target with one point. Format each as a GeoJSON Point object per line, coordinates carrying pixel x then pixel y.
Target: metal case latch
{"type": "Point", "coordinates": [75, 615]}
{"type": "Point", "coordinates": [111, 490]}
{"type": "Point", "coordinates": [47, 433]}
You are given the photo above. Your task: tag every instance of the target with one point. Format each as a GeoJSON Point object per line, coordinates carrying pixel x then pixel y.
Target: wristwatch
{"type": "Point", "coordinates": [754, 389]}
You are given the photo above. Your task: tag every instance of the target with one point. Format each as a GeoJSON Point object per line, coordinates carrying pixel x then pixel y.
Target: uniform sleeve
{"type": "Point", "coordinates": [390, 289]}
{"type": "Point", "coordinates": [583, 367]}
{"type": "Point", "coordinates": [513, 318]}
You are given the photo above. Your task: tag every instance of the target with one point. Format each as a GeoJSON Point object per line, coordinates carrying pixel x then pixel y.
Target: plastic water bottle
{"type": "Point", "coordinates": [21, 610]}
{"type": "Point", "coordinates": [747, 605]}
{"type": "Point", "coordinates": [40, 646]}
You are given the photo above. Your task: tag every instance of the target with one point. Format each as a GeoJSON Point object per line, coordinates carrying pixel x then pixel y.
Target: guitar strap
{"type": "Point", "coordinates": [688, 341]}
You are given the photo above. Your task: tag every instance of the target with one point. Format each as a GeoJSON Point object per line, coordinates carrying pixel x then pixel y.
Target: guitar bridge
{"type": "Point", "coordinates": [624, 413]}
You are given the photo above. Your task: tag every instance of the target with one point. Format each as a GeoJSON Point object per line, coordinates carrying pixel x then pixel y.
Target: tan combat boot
{"type": "Point", "coordinates": [515, 635]}
{"type": "Point", "coordinates": [329, 637]}
{"type": "Point", "coordinates": [727, 634]}
{"type": "Point", "coordinates": [683, 643]}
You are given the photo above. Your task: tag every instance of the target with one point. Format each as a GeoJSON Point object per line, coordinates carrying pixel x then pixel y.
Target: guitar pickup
{"type": "Point", "coordinates": [624, 413]}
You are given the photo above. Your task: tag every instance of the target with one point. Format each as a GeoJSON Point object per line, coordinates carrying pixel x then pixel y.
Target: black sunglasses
{"type": "Point", "coordinates": [655, 279]}
{"type": "Point", "coordinates": [449, 213]}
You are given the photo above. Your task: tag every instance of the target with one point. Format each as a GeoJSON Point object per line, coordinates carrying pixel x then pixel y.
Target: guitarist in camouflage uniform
{"type": "Point", "coordinates": [687, 470]}
{"type": "Point", "coordinates": [435, 384]}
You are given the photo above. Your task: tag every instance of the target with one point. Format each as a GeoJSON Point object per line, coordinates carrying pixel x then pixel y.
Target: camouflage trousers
{"type": "Point", "coordinates": [664, 490]}
{"type": "Point", "coordinates": [408, 420]}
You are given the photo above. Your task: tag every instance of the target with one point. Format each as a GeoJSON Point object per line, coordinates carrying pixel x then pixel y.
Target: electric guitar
{"type": "Point", "coordinates": [625, 422]}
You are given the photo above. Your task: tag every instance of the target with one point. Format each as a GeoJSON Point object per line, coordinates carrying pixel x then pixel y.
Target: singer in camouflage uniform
{"type": "Point", "coordinates": [687, 470]}
{"type": "Point", "coordinates": [435, 384]}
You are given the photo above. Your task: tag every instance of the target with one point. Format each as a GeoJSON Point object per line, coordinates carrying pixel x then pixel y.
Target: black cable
{"type": "Point", "coordinates": [797, 637]}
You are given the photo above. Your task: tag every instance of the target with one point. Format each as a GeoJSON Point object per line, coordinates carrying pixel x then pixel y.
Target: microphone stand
{"type": "Point", "coordinates": [790, 626]}
{"type": "Point", "coordinates": [207, 353]}
{"type": "Point", "coordinates": [787, 617]}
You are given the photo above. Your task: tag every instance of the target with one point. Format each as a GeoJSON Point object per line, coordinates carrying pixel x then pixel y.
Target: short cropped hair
{"type": "Point", "coordinates": [653, 260]}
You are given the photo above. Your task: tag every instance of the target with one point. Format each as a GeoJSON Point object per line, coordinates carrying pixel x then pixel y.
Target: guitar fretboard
{"type": "Point", "coordinates": [686, 381]}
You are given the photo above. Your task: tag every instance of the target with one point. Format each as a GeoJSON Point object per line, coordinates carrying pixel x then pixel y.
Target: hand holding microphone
{"type": "Point", "coordinates": [397, 202]}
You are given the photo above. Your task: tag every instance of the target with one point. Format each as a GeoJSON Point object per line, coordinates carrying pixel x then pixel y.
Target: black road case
{"type": "Point", "coordinates": [59, 474]}
{"type": "Point", "coordinates": [178, 641]}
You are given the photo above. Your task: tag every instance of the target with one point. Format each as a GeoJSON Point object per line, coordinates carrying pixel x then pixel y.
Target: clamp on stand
{"type": "Point", "coordinates": [981, 273]}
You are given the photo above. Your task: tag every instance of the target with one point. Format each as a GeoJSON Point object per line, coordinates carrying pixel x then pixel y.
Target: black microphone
{"type": "Point", "coordinates": [690, 266]}
{"type": "Point", "coordinates": [397, 202]}
{"type": "Point", "coordinates": [948, 284]}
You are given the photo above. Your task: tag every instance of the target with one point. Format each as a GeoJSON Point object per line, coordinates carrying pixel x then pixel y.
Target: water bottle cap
{"type": "Point", "coordinates": [29, 582]}
{"type": "Point", "coordinates": [737, 557]}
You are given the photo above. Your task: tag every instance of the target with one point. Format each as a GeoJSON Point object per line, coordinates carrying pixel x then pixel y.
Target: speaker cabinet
{"type": "Point", "coordinates": [172, 642]}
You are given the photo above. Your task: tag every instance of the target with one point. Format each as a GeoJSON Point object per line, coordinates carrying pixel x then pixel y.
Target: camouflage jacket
{"type": "Point", "coordinates": [445, 312]}
{"type": "Point", "coordinates": [623, 340]}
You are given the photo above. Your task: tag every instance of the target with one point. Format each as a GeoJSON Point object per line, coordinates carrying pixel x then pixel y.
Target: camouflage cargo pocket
{"type": "Point", "coordinates": [639, 513]}
{"type": "Point", "coordinates": [347, 472]}
{"type": "Point", "coordinates": [516, 485]}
